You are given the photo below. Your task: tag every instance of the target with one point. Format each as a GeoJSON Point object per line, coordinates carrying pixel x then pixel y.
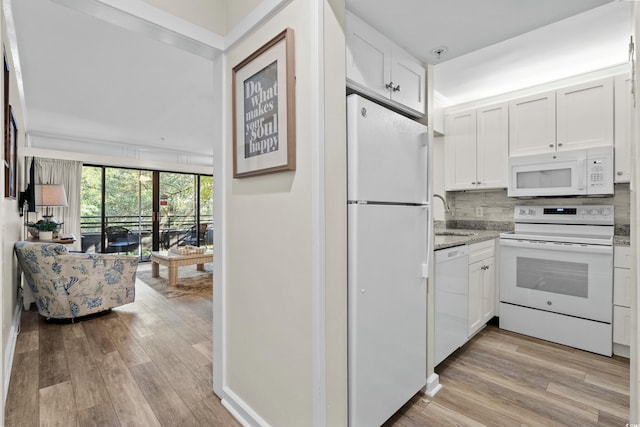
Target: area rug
{"type": "Point", "coordinates": [190, 280]}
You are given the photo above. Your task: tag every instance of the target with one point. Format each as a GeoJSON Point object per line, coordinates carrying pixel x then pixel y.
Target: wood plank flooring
{"type": "Point", "coordinates": [501, 378]}
{"type": "Point", "coordinates": [148, 363]}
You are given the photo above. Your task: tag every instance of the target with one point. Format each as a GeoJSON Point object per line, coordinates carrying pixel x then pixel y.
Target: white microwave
{"type": "Point", "coordinates": [565, 173]}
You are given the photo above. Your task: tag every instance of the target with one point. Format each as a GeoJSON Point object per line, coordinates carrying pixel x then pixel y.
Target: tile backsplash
{"type": "Point", "coordinates": [497, 208]}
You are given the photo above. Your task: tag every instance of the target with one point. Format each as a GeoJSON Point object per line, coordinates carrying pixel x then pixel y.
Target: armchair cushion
{"type": "Point", "coordinates": [68, 285]}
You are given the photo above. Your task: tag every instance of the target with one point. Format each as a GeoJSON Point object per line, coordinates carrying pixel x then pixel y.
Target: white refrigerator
{"type": "Point", "coordinates": [389, 226]}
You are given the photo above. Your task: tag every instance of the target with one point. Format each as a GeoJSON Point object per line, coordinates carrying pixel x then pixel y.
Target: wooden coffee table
{"type": "Point", "coordinates": [173, 261]}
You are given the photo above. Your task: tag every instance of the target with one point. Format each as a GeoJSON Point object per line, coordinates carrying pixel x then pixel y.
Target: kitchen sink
{"type": "Point", "coordinates": [455, 233]}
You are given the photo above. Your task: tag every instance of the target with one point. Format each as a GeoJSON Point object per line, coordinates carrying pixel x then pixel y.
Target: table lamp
{"type": "Point", "coordinates": [49, 195]}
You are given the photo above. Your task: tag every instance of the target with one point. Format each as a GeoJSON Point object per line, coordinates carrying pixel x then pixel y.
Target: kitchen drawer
{"type": "Point", "coordinates": [622, 257]}
{"type": "Point", "coordinates": [621, 325]}
{"type": "Point", "coordinates": [622, 287]}
{"type": "Point", "coordinates": [481, 250]}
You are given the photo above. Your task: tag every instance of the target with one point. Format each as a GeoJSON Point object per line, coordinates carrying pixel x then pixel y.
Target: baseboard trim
{"type": "Point", "coordinates": [240, 410]}
{"type": "Point", "coordinates": [433, 385]}
{"type": "Point", "coordinates": [11, 349]}
{"type": "Point", "coordinates": [622, 350]}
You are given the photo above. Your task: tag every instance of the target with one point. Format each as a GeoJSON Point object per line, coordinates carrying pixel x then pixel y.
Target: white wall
{"type": "Point", "coordinates": [335, 190]}
{"type": "Point", "coordinates": [275, 242]}
{"type": "Point", "coordinates": [11, 231]}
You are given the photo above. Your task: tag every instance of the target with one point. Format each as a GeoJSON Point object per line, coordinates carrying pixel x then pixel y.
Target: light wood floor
{"type": "Point", "coordinates": [148, 363]}
{"type": "Point", "coordinates": [504, 379]}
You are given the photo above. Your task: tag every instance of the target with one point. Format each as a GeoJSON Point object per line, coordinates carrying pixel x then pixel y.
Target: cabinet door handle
{"type": "Point", "coordinates": [559, 144]}
{"type": "Point", "coordinates": [393, 88]}
{"type": "Point", "coordinates": [551, 145]}
{"type": "Point", "coordinates": [619, 173]}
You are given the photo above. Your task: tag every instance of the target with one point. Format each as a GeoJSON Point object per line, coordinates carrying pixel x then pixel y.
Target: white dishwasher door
{"type": "Point", "coordinates": [451, 299]}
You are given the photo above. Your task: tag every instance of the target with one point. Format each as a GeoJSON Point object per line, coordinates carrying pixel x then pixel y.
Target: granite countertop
{"type": "Point", "coordinates": [450, 237]}
{"type": "Point", "coordinates": [452, 233]}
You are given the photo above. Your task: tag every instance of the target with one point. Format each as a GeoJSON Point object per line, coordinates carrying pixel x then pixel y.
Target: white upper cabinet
{"type": "Point", "coordinates": [532, 124]}
{"type": "Point", "coordinates": [585, 115]}
{"type": "Point", "coordinates": [460, 151]}
{"type": "Point", "coordinates": [368, 57]}
{"type": "Point", "coordinates": [381, 69]}
{"type": "Point", "coordinates": [579, 116]}
{"type": "Point", "coordinates": [622, 131]}
{"type": "Point", "coordinates": [408, 79]}
{"type": "Point", "coordinates": [477, 148]}
{"type": "Point", "coordinates": [492, 146]}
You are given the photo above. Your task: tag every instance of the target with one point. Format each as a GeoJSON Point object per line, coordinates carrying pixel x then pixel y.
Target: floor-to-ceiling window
{"type": "Point", "coordinates": [135, 211]}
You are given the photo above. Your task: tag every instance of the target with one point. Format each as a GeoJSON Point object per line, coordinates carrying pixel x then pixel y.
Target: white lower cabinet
{"type": "Point", "coordinates": [621, 326]}
{"type": "Point", "coordinates": [621, 300]}
{"type": "Point", "coordinates": [482, 285]}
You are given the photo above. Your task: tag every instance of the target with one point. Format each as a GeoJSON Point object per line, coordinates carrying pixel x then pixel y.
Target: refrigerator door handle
{"type": "Point", "coordinates": [430, 242]}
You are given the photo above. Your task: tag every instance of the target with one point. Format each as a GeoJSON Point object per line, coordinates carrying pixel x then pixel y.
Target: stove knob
{"type": "Point", "coordinates": [522, 212]}
{"type": "Point", "coordinates": [605, 211]}
{"type": "Point", "coordinates": [531, 212]}
{"type": "Point", "coordinates": [593, 211]}
{"type": "Point", "coordinates": [582, 211]}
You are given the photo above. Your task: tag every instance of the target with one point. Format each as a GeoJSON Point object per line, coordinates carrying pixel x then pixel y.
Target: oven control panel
{"type": "Point", "coordinates": [577, 214]}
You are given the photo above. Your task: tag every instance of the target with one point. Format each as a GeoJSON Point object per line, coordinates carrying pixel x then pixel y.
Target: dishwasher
{"type": "Point", "coordinates": [451, 300]}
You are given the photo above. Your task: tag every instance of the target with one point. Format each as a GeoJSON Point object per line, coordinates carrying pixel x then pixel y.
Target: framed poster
{"type": "Point", "coordinates": [11, 159]}
{"type": "Point", "coordinates": [264, 109]}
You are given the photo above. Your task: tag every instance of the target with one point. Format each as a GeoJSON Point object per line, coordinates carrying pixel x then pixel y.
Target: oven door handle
{"type": "Point", "coordinates": [553, 246]}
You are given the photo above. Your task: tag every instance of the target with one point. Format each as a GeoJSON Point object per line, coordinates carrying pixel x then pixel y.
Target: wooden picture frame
{"type": "Point", "coordinates": [264, 109]}
{"type": "Point", "coordinates": [11, 159]}
{"type": "Point", "coordinates": [6, 145]}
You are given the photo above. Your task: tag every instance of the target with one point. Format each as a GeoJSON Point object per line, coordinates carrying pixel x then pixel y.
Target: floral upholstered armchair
{"type": "Point", "coordinates": [68, 285]}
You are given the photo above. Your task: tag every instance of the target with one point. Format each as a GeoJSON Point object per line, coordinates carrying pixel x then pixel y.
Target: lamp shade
{"type": "Point", "coordinates": [51, 195]}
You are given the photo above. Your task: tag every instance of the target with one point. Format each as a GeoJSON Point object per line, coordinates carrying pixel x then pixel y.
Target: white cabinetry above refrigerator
{"type": "Point", "coordinates": [379, 68]}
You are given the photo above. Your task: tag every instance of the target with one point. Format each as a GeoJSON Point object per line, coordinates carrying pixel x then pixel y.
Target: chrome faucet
{"type": "Point", "coordinates": [444, 201]}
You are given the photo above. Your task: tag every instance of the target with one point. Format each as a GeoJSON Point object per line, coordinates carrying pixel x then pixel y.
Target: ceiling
{"type": "Point", "coordinates": [95, 82]}
{"type": "Point", "coordinates": [90, 80]}
{"type": "Point", "coordinates": [497, 46]}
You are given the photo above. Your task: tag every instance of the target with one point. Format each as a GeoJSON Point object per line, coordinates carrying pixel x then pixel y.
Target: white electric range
{"type": "Point", "coordinates": [556, 280]}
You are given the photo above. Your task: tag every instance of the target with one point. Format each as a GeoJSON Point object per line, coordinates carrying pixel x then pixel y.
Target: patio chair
{"type": "Point", "coordinates": [120, 239]}
{"type": "Point", "coordinates": [194, 237]}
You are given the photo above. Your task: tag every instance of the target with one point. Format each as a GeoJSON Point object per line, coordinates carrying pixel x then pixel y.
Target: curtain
{"type": "Point", "coordinates": [68, 173]}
